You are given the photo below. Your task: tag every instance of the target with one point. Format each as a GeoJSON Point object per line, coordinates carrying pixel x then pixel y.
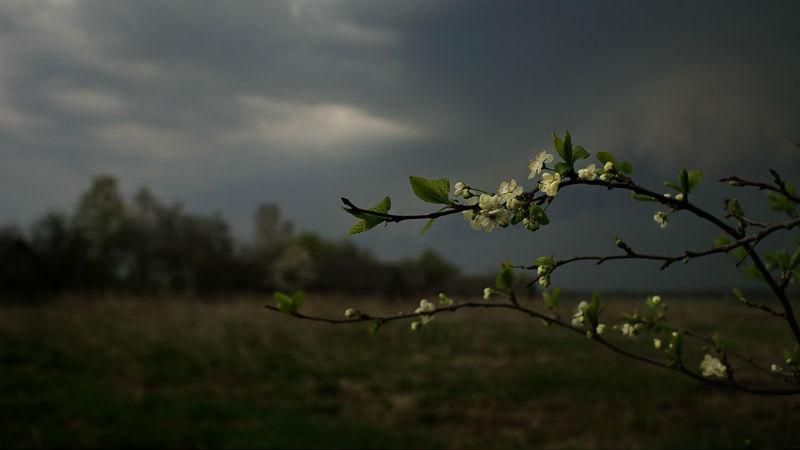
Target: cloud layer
{"type": "Point", "coordinates": [229, 104]}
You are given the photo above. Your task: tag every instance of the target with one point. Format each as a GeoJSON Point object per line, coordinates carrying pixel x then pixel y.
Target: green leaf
{"type": "Point", "coordinates": [427, 227]}
{"type": "Point", "coordinates": [626, 167]}
{"type": "Point", "coordinates": [739, 295]}
{"type": "Point", "coordinates": [550, 299]}
{"type": "Point", "coordinates": [558, 144]}
{"type": "Point", "coordinates": [793, 263]}
{"type": "Point", "coordinates": [579, 153]}
{"type": "Point", "coordinates": [505, 279]}
{"type": "Point", "coordinates": [722, 241]}
{"type": "Point", "coordinates": [373, 326]}
{"type": "Point", "coordinates": [642, 198]}
{"type": "Point", "coordinates": [298, 298]}
{"type": "Point", "coordinates": [285, 303]}
{"type": "Point", "coordinates": [719, 344]}
{"type": "Point", "coordinates": [779, 202]}
{"type": "Point", "coordinates": [538, 215]}
{"type": "Point", "coordinates": [431, 191]}
{"type": "Point", "coordinates": [684, 181]}
{"type": "Point", "coordinates": [605, 157]}
{"type": "Point", "coordinates": [673, 185]}
{"type": "Point", "coordinates": [545, 261]}
{"type": "Point", "coordinates": [694, 177]}
{"type": "Point", "coordinates": [562, 168]}
{"type": "Point", "coordinates": [564, 148]}
{"type": "Point", "coordinates": [368, 221]}
{"type": "Point", "coordinates": [734, 208]}
{"type": "Point", "coordinates": [778, 258]}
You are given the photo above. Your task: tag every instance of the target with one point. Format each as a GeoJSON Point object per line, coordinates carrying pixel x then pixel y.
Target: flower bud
{"type": "Point", "coordinates": [679, 197]}
{"type": "Point", "coordinates": [609, 166]}
{"type": "Point", "coordinates": [350, 312]}
{"type": "Point", "coordinates": [544, 281]}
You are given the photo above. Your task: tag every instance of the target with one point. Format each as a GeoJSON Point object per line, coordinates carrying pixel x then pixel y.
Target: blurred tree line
{"type": "Point", "coordinates": [145, 246]}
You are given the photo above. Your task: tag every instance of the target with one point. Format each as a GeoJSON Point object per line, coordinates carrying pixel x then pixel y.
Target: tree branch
{"type": "Point", "coordinates": [779, 187]}
{"type": "Point", "coordinates": [687, 254]}
{"type": "Point", "coordinates": [552, 320]}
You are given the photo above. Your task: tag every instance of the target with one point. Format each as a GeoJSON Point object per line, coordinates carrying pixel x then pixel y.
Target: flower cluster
{"type": "Point", "coordinates": [424, 307]}
{"type": "Point", "coordinates": [544, 275]}
{"type": "Point", "coordinates": [630, 330]}
{"type": "Point", "coordinates": [712, 367]}
{"type": "Point", "coordinates": [588, 173]}
{"type": "Point", "coordinates": [495, 210]}
{"type": "Point", "coordinates": [579, 318]}
{"type": "Point", "coordinates": [462, 190]}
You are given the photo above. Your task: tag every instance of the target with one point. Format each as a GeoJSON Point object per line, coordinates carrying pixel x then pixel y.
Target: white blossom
{"type": "Point", "coordinates": [487, 293]}
{"type": "Point", "coordinates": [712, 367]}
{"type": "Point", "coordinates": [630, 330]}
{"type": "Point", "coordinates": [491, 215]}
{"type": "Point", "coordinates": [508, 191]}
{"type": "Point", "coordinates": [601, 328]}
{"type": "Point", "coordinates": [549, 183]}
{"type": "Point", "coordinates": [578, 318]}
{"type": "Point", "coordinates": [605, 177]}
{"type": "Point", "coordinates": [489, 202]}
{"type": "Point", "coordinates": [416, 325]}
{"type": "Point", "coordinates": [660, 217]}
{"type": "Point", "coordinates": [541, 270]}
{"type": "Point", "coordinates": [425, 306]}
{"type": "Point", "coordinates": [608, 166]}
{"type": "Point", "coordinates": [657, 343]}
{"type": "Point", "coordinates": [656, 299]}
{"type": "Point", "coordinates": [668, 195]}
{"type": "Point", "coordinates": [775, 368]}
{"type": "Point", "coordinates": [587, 173]}
{"type": "Point", "coordinates": [679, 197]}
{"type": "Point", "coordinates": [350, 312]}
{"type": "Point", "coordinates": [539, 162]}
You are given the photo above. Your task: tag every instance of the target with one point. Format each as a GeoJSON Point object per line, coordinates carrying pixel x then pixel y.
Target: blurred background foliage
{"type": "Point", "coordinates": [144, 245]}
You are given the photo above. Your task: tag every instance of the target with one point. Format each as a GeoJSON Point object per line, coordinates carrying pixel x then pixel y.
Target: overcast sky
{"type": "Point", "coordinates": [226, 105]}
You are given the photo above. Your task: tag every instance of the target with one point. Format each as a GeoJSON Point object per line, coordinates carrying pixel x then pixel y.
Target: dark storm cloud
{"type": "Point", "coordinates": [229, 104]}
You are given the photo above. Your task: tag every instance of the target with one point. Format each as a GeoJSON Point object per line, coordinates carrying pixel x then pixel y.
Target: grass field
{"type": "Point", "coordinates": [124, 373]}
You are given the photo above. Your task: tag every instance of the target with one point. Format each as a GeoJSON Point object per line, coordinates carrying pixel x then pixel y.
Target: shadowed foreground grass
{"type": "Point", "coordinates": [120, 373]}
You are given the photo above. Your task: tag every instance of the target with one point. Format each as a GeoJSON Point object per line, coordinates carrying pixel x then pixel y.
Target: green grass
{"type": "Point", "coordinates": [122, 373]}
